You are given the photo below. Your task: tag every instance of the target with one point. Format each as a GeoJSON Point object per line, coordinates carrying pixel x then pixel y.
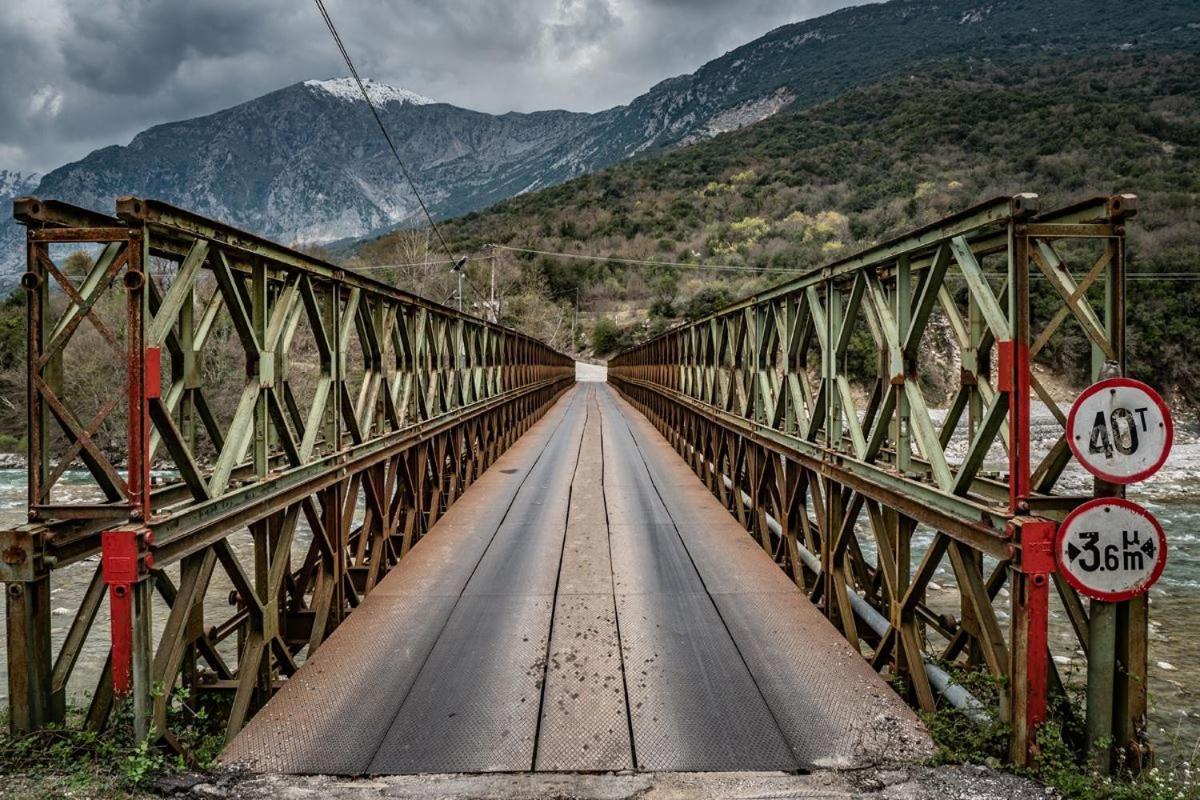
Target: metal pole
{"type": "Point", "coordinates": [575, 319]}
{"type": "Point", "coordinates": [1102, 624]}
{"type": "Point", "coordinates": [1102, 648]}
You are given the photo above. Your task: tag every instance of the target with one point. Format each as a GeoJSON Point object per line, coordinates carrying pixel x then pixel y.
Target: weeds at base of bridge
{"type": "Point", "coordinates": [1059, 765]}
{"type": "Point", "coordinates": [72, 760]}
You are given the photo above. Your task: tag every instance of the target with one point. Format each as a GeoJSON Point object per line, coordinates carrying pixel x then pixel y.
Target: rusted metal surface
{"type": "Point", "coordinates": [308, 425]}
{"type": "Point", "coordinates": [566, 654]}
{"type": "Point", "coordinates": [474, 707]}
{"type": "Point", "coordinates": [318, 722]}
{"type": "Point", "coordinates": [584, 721]}
{"type": "Point", "coordinates": [828, 707]}
{"type": "Point", "coordinates": [758, 400]}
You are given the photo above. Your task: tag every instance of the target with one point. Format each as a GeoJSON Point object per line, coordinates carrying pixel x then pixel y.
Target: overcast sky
{"type": "Point", "coordinates": [81, 74]}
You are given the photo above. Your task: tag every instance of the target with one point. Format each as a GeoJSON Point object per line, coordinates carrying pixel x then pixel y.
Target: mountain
{"type": "Point", "coordinates": [305, 164]}
{"type": "Point", "coordinates": [805, 187]}
{"type": "Point", "coordinates": [809, 62]}
{"type": "Point", "coordinates": [15, 184]}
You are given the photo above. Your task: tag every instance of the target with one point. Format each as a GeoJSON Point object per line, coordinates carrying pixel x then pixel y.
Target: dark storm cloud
{"type": "Point", "coordinates": [81, 74]}
{"type": "Point", "coordinates": [124, 48]}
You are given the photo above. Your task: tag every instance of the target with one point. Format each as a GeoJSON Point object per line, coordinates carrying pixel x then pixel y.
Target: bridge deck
{"type": "Point", "coordinates": [586, 605]}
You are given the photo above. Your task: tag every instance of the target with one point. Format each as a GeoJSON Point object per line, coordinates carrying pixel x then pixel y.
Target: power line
{"type": "Point", "coordinates": [438, 263]}
{"type": "Point", "coordinates": [383, 128]}
{"type": "Point", "coordinates": [645, 262]}
{"type": "Point", "coordinates": [1129, 276]}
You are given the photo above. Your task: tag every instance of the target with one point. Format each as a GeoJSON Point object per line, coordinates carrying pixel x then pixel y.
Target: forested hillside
{"type": "Point", "coordinates": [803, 188]}
{"type": "Point", "coordinates": [811, 185]}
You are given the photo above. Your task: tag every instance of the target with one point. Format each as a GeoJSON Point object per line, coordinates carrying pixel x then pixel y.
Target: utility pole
{"type": "Point", "coordinates": [494, 309]}
{"type": "Point", "coordinates": [493, 305]}
{"type": "Point", "coordinates": [458, 268]}
{"type": "Point", "coordinates": [575, 320]}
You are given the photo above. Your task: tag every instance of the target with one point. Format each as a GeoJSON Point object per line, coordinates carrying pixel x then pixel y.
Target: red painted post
{"type": "Point", "coordinates": [1021, 401]}
{"type": "Point", "coordinates": [1012, 370]}
{"type": "Point", "coordinates": [121, 568]}
{"type": "Point", "coordinates": [1029, 673]}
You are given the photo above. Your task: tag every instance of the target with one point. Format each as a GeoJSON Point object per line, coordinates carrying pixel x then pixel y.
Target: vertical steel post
{"type": "Point", "coordinates": [137, 376]}
{"type": "Point", "coordinates": [1029, 666]}
{"type": "Point", "coordinates": [899, 373]}
{"type": "Point", "coordinates": [833, 326]}
{"type": "Point", "coordinates": [27, 626]}
{"type": "Point", "coordinates": [27, 595]}
{"type": "Point", "coordinates": [1102, 648]}
{"type": "Point", "coordinates": [125, 564]}
{"type": "Point", "coordinates": [1028, 672]}
{"type": "Point", "coordinates": [1117, 651]}
{"type": "Point", "coordinates": [143, 647]}
{"type": "Point", "coordinates": [37, 309]}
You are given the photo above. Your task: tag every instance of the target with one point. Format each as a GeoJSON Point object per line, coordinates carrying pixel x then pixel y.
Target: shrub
{"type": "Point", "coordinates": [608, 336]}
{"type": "Point", "coordinates": [706, 301]}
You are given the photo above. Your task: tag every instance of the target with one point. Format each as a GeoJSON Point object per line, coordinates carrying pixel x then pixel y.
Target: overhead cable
{"type": "Point", "coordinates": [383, 128]}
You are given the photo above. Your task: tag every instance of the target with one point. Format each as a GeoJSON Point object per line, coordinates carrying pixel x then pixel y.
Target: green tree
{"type": "Point", "coordinates": [706, 301]}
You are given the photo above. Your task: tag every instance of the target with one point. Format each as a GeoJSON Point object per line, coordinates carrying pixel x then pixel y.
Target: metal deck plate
{"type": "Point", "coordinates": [584, 716]}
{"type": "Point", "coordinates": [474, 707]}
{"type": "Point", "coordinates": [585, 722]}
{"type": "Point", "coordinates": [582, 613]}
{"type": "Point", "coordinates": [331, 715]}
{"type": "Point", "coordinates": [833, 709]}
{"type": "Point", "coordinates": [693, 703]}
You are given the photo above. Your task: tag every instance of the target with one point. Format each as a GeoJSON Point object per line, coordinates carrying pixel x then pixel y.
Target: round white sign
{"type": "Point", "coordinates": [1120, 430]}
{"type": "Point", "coordinates": [1110, 549]}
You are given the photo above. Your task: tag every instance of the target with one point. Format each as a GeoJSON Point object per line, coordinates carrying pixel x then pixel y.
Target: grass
{"type": "Point", "coordinates": [69, 761]}
{"type": "Point", "coordinates": [1060, 765]}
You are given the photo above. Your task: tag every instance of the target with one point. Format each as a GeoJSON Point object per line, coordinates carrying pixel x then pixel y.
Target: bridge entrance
{"type": "Point", "coordinates": [587, 605]}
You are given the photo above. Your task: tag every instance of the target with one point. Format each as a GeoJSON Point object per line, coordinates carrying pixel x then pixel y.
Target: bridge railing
{"type": "Point", "coordinates": [247, 436]}
{"type": "Point", "coordinates": [806, 409]}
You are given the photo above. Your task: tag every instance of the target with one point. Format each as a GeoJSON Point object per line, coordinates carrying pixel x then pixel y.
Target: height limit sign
{"type": "Point", "coordinates": [1111, 549]}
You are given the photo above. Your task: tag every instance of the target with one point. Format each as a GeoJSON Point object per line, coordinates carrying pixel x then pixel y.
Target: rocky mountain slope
{"type": "Point", "coordinates": [305, 164]}
{"type": "Point", "coordinates": [15, 184]}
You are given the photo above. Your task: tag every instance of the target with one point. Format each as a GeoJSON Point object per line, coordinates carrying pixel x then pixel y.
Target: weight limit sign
{"type": "Point", "coordinates": [1120, 430]}
{"type": "Point", "coordinates": [1111, 549]}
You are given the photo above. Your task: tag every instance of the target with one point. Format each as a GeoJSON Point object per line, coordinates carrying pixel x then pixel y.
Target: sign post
{"type": "Point", "coordinates": [1109, 549]}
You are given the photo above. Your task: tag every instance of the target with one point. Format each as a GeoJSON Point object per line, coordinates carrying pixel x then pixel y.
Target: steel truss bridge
{"type": "Point", "coordinates": [237, 445]}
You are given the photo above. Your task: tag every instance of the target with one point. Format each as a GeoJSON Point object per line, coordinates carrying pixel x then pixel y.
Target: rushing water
{"type": "Point", "coordinates": [1173, 496]}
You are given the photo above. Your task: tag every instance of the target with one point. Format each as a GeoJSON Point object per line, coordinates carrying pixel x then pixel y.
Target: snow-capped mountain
{"type": "Point", "coordinates": [380, 93]}
{"type": "Point", "coordinates": [15, 184]}
{"type": "Point", "coordinates": [306, 164]}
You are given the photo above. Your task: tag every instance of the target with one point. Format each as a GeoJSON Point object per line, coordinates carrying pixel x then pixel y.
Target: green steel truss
{"type": "Point", "coordinates": [362, 412]}
{"type": "Point", "coordinates": [865, 495]}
